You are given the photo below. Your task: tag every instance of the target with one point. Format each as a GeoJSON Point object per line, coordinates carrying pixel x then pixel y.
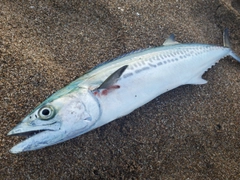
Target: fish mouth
{"type": "Point", "coordinates": [35, 137]}
{"type": "Point", "coordinates": [37, 140]}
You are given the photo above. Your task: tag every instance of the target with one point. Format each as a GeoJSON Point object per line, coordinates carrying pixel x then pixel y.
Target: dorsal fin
{"type": "Point", "coordinates": [170, 41]}
{"type": "Point", "coordinates": [113, 78]}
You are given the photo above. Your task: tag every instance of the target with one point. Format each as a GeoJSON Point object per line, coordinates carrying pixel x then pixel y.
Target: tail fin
{"type": "Point", "coordinates": [226, 43]}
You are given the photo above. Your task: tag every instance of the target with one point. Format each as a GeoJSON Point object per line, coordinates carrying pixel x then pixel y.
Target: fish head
{"type": "Point", "coordinates": [57, 119]}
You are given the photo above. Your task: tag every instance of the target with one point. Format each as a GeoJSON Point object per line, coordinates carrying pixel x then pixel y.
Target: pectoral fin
{"type": "Point", "coordinates": [113, 78]}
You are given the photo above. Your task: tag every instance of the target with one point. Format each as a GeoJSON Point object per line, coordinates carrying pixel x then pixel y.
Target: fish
{"type": "Point", "coordinates": [116, 88]}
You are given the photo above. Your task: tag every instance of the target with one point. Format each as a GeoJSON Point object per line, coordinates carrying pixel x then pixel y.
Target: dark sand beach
{"type": "Point", "coordinates": [191, 132]}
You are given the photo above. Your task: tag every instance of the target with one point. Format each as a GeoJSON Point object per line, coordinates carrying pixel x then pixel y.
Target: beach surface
{"type": "Point", "coordinates": [191, 132]}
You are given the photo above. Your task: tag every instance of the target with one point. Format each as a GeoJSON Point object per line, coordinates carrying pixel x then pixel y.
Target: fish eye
{"type": "Point", "coordinates": [46, 113]}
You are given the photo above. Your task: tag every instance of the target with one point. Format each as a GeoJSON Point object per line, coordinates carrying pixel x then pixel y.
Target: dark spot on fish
{"type": "Point", "coordinates": [152, 65]}
{"type": "Point", "coordinates": [165, 62]}
{"type": "Point", "coordinates": [127, 75]}
{"type": "Point", "coordinates": [143, 69]}
{"type": "Point", "coordinates": [159, 64]}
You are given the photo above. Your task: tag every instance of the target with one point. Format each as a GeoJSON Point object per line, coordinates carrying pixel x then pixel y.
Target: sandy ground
{"type": "Point", "coordinates": [192, 132]}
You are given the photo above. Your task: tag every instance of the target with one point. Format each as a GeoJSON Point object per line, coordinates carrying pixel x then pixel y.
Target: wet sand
{"type": "Point", "coordinates": [192, 132]}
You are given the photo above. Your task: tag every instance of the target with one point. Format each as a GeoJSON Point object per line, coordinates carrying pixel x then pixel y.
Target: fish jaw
{"type": "Point", "coordinates": [38, 141]}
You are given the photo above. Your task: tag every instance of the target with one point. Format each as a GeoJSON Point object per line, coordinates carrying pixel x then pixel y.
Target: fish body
{"type": "Point", "coordinates": [116, 88]}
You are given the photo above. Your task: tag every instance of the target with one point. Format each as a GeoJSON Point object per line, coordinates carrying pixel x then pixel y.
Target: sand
{"type": "Point", "coordinates": [192, 132]}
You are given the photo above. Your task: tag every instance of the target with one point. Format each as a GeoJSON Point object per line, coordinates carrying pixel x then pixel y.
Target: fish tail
{"type": "Point", "coordinates": [226, 43]}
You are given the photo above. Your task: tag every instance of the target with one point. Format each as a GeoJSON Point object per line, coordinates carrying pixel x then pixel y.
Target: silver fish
{"type": "Point", "coordinates": [116, 88]}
